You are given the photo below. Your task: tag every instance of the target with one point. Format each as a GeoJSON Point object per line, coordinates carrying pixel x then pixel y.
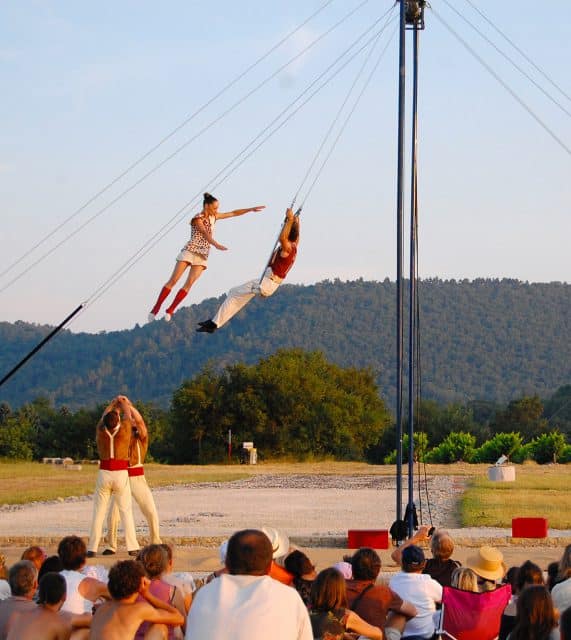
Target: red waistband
{"type": "Point", "coordinates": [113, 465]}
{"type": "Point", "coordinates": [135, 471]}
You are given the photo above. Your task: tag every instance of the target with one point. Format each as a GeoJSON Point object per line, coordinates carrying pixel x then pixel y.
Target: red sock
{"type": "Point", "coordinates": [180, 296]}
{"type": "Point", "coordinates": [162, 297]}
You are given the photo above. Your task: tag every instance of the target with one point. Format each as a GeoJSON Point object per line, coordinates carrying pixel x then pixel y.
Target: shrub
{"type": "Point", "coordinates": [456, 447]}
{"type": "Point", "coordinates": [548, 447]}
{"type": "Point", "coordinates": [506, 444]}
{"type": "Point", "coordinates": [420, 449]}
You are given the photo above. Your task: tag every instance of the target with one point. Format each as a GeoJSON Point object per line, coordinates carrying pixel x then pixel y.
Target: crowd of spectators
{"type": "Point", "coordinates": [265, 589]}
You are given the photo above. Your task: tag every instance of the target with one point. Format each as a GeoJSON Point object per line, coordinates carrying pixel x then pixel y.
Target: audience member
{"type": "Point", "coordinates": [303, 572]}
{"type": "Point", "coordinates": [488, 565]}
{"type": "Point", "coordinates": [552, 575]}
{"type": "Point", "coordinates": [536, 618]}
{"type": "Point", "coordinates": [441, 565]}
{"type": "Point", "coordinates": [82, 591]}
{"type": "Point", "coordinates": [23, 581]}
{"type": "Point", "coordinates": [329, 616]}
{"type": "Point", "coordinates": [36, 555]}
{"type": "Point", "coordinates": [422, 591]}
{"type": "Point", "coordinates": [561, 592]}
{"type": "Point", "coordinates": [511, 578]}
{"type": "Point", "coordinates": [528, 574]}
{"type": "Point", "coordinates": [245, 603]}
{"type": "Point", "coordinates": [465, 579]}
{"type": "Point", "coordinates": [372, 601]}
{"type": "Point", "coordinates": [52, 564]}
{"type": "Point", "coordinates": [4, 586]}
{"type": "Point", "coordinates": [565, 624]}
{"type": "Point", "coordinates": [183, 582]}
{"type": "Point", "coordinates": [120, 618]}
{"type": "Point", "coordinates": [345, 569]}
{"type": "Point", "coordinates": [280, 548]}
{"type": "Point", "coordinates": [154, 559]}
{"type": "Point", "coordinates": [44, 620]}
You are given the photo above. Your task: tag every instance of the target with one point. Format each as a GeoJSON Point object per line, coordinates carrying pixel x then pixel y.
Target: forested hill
{"type": "Point", "coordinates": [482, 339]}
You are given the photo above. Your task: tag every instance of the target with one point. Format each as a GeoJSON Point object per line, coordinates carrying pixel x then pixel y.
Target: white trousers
{"type": "Point", "coordinates": [239, 296]}
{"type": "Point", "coordinates": [108, 484]}
{"type": "Point", "coordinates": [144, 498]}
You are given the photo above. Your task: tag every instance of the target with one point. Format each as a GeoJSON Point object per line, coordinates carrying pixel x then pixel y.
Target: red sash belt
{"type": "Point", "coordinates": [135, 471]}
{"type": "Point", "coordinates": [113, 465]}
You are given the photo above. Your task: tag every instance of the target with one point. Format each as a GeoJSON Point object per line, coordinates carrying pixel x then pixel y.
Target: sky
{"type": "Point", "coordinates": [89, 88]}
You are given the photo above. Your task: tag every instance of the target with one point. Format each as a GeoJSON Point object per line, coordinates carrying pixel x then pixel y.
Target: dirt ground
{"type": "Point", "coordinates": [314, 511]}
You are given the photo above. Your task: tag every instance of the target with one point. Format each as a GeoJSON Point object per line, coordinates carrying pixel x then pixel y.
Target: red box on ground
{"type": "Point", "coordinates": [529, 527]}
{"type": "Point", "coordinates": [374, 538]}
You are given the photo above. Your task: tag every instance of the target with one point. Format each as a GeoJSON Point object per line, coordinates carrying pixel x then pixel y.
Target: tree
{"type": "Point", "coordinates": [524, 415]}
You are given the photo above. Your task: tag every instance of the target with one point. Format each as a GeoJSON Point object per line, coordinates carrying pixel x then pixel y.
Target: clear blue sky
{"type": "Point", "coordinates": [87, 88]}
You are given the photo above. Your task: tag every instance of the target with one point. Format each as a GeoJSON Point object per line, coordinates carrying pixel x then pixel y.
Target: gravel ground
{"type": "Point", "coordinates": [305, 506]}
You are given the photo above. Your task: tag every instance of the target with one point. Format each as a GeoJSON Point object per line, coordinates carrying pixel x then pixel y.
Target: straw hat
{"type": "Point", "coordinates": [280, 542]}
{"type": "Point", "coordinates": [488, 563]}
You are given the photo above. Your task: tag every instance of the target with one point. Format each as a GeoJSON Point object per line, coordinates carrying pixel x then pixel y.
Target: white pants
{"type": "Point", "coordinates": [239, 296]}
{"type": "Point", "coordinates": [116, 484]}
{"type": "Point", "coordinates": [144, 498]}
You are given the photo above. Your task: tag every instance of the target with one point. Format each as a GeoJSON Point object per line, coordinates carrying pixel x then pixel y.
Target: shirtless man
{"type": "Point", "coordinates": [140, 490]}
{"type": "Point", "coordinates": [120, 618]}
{"type": "Point", "coordinates": [113, 436]}
{"type": "Point", "coordinates": [45, 622]}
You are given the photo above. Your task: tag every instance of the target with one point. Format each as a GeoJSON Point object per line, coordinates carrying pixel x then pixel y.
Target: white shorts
{"type": "Point", "coordinates": [194, 259]}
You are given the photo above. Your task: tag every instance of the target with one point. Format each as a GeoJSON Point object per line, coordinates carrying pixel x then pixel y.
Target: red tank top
{"type": "Point", "coordinates": [281, 266]}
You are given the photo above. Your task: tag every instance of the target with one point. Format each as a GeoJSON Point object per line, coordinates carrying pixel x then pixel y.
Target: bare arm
{"type": "Point", "coordinates": [284, 235]}
{"type": "Point", "coordinates": [420, 536]}
{"type": "Point", "coordinates": [180, 604]}
{"type": "Point", "coordinates": [140, 424]}
{"type": "Point", "coordinates": [198, 222]}
{"type": "Point", "coordinates": [238, 212]}
{"type": "Point", "coordinates": [92, 589]}
{"type": "Point", "coordinates": [408, 609]}
{"type": "Point", "coordinates": [356, 623]}
{"type": "Point", "coordinates": [161, 612]}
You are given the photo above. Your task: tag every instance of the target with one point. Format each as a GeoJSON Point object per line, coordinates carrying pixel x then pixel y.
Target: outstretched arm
{"type": "Point", "coordinates": [238, 212]}
{"type": "Point", "coordinates": [284, 235]}
{"type": "Point", "coordinates": [420, 536]}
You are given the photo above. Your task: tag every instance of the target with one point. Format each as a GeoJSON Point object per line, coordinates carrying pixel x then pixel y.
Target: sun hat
{"type": "Point", "coordinates": [488, 563]}
{"type": "Point", "coordinates": [413, 556]}
{"type": "Point", "coordinates": [280, 542]}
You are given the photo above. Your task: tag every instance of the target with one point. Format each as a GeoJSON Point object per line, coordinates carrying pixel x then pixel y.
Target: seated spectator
{"type": "Point", "coordinates": [552, 575]}
{"type": "Point", "coordinates": [441, 565]}
{"type": "Point", "coordinates": [561, 592]}
{"type": "Point", "coordinates": [465, 579]}
{"type": "Point", "coordinates": [373, 602]}
{"type": "Point", "coordinates": [120, 618]}
{"type": "Point", "coordinates": [281, 548]}
{"type": "Point", "coordinates": [422, 591]}
{"type": "Point", "coordinates": [82, 591]}
{"type": "Point", "coordinates": [184, 582]}
{"type": "Point", "coordinates": [565, 624]}
{"type": "Point", "coordinates": [23, 581]}
{"type": "Point", "coordinates": [245, 603]}
{"type": "Point", "coordinates": [488, 565]}
{"type": "Point", "coordinates": [154, 559]}
{"type": "Point", "coordinates": [536, 618]}
{"type": "Point", "coordinates": [303, 572]}
{"type": "Point", "coordinates": [345, 569]}
{"type": "Point", "coordinates": [329, 616]}
{"type": "Point", "coordinates": [4, 586]}
{"type": "Point", "coordinates": [36, 555]}
{"type": "Point", "coordinates": [52, 564]}
{"type": "Point", "coordinates": [528, 574]}
{"type": "Point", "coordinates": [44, 621]}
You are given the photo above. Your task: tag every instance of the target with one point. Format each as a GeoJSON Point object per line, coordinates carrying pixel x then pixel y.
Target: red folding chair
{"type": "Point", "coordinates": [472, 616]}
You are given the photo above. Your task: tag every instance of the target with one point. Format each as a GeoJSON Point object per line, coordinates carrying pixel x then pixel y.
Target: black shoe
{"type": "Point", "coordinates": [91, 554]}
{"type": "Point", "coordinates": [207, 327]}
{"type": "Point", "coordinates": [133, 552]}
{"type": "Point", "coordinates": [108, 552]}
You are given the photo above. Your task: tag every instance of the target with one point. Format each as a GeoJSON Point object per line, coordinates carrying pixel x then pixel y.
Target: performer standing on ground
{"type": "Point", "coordinates": [282, 262]}
{"type": "Point", "coordinates": [139, 488]}
{"type": "Point", "coordinates": [194, 254]}
{"type": "Point", "coordinates": [113, 435]}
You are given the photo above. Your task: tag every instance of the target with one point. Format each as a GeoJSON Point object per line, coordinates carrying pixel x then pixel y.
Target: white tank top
{"type": "Point", "coordinates": [75, 602]}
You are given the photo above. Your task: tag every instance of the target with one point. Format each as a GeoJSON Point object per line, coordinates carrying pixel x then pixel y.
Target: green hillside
{"type": "Point", "coordinates": [481, 339]}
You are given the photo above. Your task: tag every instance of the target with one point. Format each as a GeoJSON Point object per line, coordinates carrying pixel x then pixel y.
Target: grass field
{"type": "Point", "coordinates": [539, 491]}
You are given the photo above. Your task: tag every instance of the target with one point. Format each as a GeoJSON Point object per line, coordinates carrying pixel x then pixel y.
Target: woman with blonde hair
{"type": "Point", "coordinates": [329, 616]}
{"type": "Point", "coordinates": [465, 579]}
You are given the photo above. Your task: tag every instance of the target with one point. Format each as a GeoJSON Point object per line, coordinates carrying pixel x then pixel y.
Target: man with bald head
{"type": "Point", "coordinates": [113, 436]}
{"type": "Point", "coordinates": [245, 603]}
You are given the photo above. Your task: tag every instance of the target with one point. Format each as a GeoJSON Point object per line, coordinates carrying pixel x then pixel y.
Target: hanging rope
{"type": "Point", "coordinates": [182, 147]}
{"type": "Point", "coordinates": [499, 79]}
{"type": "Point", "coordinates": [167, 137]}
